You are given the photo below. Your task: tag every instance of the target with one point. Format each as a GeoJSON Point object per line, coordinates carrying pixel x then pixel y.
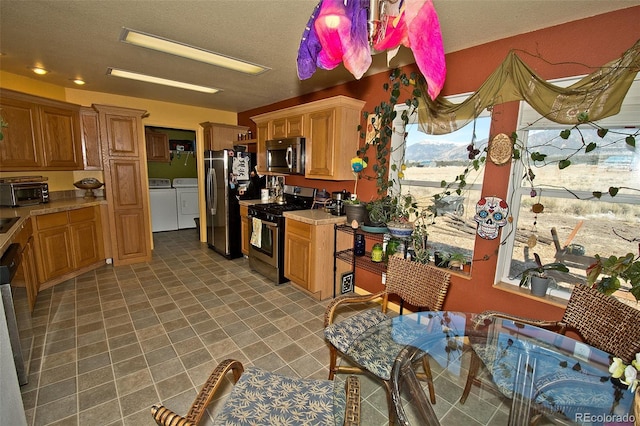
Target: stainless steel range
{"type": "Point", "coordinates": [266, 250]}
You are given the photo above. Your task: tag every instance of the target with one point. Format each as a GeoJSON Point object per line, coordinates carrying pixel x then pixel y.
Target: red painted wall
{"type": "Point", "coordinates": [570, 49]}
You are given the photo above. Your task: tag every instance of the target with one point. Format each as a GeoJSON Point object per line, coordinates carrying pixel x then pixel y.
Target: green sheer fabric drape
{"type": "Point", "coordinates": [599, 94]}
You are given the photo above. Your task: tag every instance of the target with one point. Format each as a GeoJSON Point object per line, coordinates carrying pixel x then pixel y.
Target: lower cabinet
{"type": "Point", "coordinates": [86, 236]}
{"type": "Point", "coordinates": [67, 241]}
{"type": "Point", "coordinates": [308, 257]}
{"type": "Point", "coordinates": [27, 274]}
{"type": "Point", "coordinates": [245, 229]}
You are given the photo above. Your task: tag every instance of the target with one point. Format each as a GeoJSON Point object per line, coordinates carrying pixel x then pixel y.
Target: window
{"type": "Point", "coordinates": [574, 225]}
{"type": "Point", "coordinates": [430, 159]}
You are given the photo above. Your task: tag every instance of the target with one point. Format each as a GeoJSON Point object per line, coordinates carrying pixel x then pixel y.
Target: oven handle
{"type": "Point", "coordinates": [267, 223]}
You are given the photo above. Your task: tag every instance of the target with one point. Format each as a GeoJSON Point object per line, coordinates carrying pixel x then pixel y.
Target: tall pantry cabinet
{"type": "Point", "coordinates": [126, 184]}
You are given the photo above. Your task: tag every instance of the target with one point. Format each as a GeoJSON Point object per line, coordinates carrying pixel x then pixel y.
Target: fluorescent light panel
{"type": "Point", "coordinates": [157, 80]}
{"type": "Point", "coordinates": [180, 49]}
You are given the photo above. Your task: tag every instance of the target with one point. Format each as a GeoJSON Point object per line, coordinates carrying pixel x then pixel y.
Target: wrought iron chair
{"type": "Point", "coordinates": [602, 321]}
{"type": "Point", "coordinates": [263, 398]}
{"type": "Point", "coordinates": [422, 286]}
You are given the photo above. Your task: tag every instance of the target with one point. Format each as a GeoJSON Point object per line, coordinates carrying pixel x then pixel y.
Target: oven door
{"type": "Point", "coordinates": [264, 244]}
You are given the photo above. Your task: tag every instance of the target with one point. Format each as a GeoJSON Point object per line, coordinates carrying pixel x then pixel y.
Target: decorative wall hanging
{"type": "Point", "coordinates": [500, 149]}
{"type": "Point", "coordinates": [600, 93]}
{"type": "Point", "coordinates": [348, 31]}
{"type": "Point", "coordinates": [491, 215]}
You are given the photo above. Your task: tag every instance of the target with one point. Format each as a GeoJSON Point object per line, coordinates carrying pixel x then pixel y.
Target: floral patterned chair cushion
{"type": "Point", "coordinates": [264, 398]}
{"type": "Point", "coordinates": [344, 333]}
{"type": "Point", "coordinates": [555, 392]}
{"type": "Point", "coordinates": [377, 352]}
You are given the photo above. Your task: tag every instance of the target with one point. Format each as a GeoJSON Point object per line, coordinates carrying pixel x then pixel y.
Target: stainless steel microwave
{"type": "Point", "coordinates": [286, 156]}
{"type": "Point", "coordinates": [18, 194]}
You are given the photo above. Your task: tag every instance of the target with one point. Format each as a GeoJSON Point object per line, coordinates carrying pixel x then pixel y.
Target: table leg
{"type": "Point", "coordinates": [523, 391]}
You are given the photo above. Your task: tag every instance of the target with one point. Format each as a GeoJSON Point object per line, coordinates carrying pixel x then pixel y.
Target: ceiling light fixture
{"type": "Point", "coordinates": [39, 70]}
{"type": "Point", "coordinates": [78, 81]}
{"type": "Point", "coordinates": [157, 80]}
{"type": "Point", "coordinates": [184, 50]}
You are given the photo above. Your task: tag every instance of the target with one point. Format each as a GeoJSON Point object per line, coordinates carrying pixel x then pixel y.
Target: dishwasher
{"type": "Point", "coordinates": [9, 264]}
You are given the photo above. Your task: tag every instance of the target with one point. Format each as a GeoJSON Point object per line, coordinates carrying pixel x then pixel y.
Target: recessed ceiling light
{"type": "Point", "coordinates": [157, 80]}
{"type": "Point", "coordinates": [184, 50]}
{"type": "Point", "coordinates": [39, 70]}
{"type": "Point", "coordinates": [78, 81]}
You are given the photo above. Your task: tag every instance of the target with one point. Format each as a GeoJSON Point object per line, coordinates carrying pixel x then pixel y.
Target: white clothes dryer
{"type": "Point", "coordinates": [187, 201]}
{"type": "Point", "coordinates": [164, 211]}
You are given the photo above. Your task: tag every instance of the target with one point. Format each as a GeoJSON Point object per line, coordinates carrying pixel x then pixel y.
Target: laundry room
{"type": "Point", "coordinates": [173, 178]}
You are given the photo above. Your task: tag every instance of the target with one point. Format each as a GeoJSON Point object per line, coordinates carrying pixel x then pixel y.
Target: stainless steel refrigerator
{"type": "Point", "coordinates": [225, 171]}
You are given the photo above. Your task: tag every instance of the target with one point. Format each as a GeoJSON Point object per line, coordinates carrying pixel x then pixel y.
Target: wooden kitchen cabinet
{"type": "Point", "coordinates": [53, 243]}
{"type": "Point", "coordinates": [287, 127]}
{"type": "Point", "coordinates": [85, 230]}
{"type": "Point", "coordinates": [20, 149]}
{"type": "Point", "coordinates": [42, 134]}
{"type": "Point", "coordinates": [330, 129]}
{"type": "Point", "coordinates": [333, 139]}
{"type": "Point", "coordinates": [68, 241]}
{"type": "Point", "coordinates": [308, 256]}
{"type": "Point", "coordinates": [91, 144]}
{"type": "Point", "coordinates": [219, 136]}
{"type": "Point", "coordinates": [157, 146]}
{"type": "Point", "coordinates": [126, 184]}
{"type": "Point", "coordinates": [261, 155]}
{"type": "Point", "coordinates": [27, 274]}
{"type": "Point", "coordinates": [30, 272]}
{"type": "Point", "coordinates": [245, 229]}
{"type": "Point", "coordinates": [61, 137]}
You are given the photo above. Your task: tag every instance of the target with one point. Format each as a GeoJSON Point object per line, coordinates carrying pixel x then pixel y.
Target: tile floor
{"type": "Point", "coordinates": [114, 341]}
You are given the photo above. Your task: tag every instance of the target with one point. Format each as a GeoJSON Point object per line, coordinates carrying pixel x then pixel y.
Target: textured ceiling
{"type": "Point", "coordinates": [81, 38]}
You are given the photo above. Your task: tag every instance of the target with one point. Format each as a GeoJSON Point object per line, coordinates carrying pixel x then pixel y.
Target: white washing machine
{"type": "Point", "coordinates": [164, 211]}
{"type": "Point", "coordinates": [187, 201]}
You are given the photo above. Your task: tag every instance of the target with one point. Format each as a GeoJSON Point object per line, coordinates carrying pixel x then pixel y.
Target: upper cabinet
{"type": "Point", "coordinates": [330, 129]}
{"type": "Point", "coordinates": [91, 145]}
{"type": "Point", "coordinates": [219, 136]}
{"type": "Point", "coordinates": [42, 134]}
{"type": "Point", "coordinates": [287, 127]}
{"type": "Point", "coordinates": [157, 146]}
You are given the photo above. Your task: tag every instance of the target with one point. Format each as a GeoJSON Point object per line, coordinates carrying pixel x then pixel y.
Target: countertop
{"type": "Point", "coordinates": [315, 217]}
{"type": "Point", "coordinates": [251, 202]}
{"type": "Point", "coordinates": [52, 207]}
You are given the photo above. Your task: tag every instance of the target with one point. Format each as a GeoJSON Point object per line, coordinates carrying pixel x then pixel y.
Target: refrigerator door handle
{"type": "Point", "coordinates": [212, 196]}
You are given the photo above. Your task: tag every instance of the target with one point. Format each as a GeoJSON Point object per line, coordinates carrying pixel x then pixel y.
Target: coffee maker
{"type": "Point", "coordinates": [337, 201]}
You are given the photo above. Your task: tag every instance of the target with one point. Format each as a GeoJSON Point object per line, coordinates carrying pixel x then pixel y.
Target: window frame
{"type": "Point", "coordinates": [397, 140]}
{"type": "Point", "coordinates": [627, 117]}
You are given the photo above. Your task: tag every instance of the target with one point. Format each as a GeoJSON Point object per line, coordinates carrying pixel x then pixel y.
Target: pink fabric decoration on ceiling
{"type": "Point", "coordinates": [425, 40]}
{"type": "Point", "coordinates": [338, 33]}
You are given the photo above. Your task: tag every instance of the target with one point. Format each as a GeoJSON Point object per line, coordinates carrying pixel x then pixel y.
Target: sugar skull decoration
{"type": "Point", "coordinates": [491, 215]}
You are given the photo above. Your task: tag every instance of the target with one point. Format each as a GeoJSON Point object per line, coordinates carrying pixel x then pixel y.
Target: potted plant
{"type": "Point", "coordinates": [379, 212]}
{"type": "Point", "coordinates": [403, 213]}
{"type": "Point", "coordinates": [353, 208]}
{"type": "Point", "coordinates": [457, 260]}
{"type": "Point", "coordinates": [537, 277]}
{"type": "Point", "coordinates": [441, 259]}
{"type": "Point", "coordinates": [614, 269]}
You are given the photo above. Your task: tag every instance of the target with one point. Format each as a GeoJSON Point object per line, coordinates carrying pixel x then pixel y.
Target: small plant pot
{"type": "Point", "coordinates": [440, 260]}
{"type": "Point", "coordinates": [357, 212]}
{"type": "Point", "coordinates": [539, 285]}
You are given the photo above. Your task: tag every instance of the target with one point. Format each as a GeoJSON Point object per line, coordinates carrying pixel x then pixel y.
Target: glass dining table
{"type": "Point", "coordinates": [537, 372]}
